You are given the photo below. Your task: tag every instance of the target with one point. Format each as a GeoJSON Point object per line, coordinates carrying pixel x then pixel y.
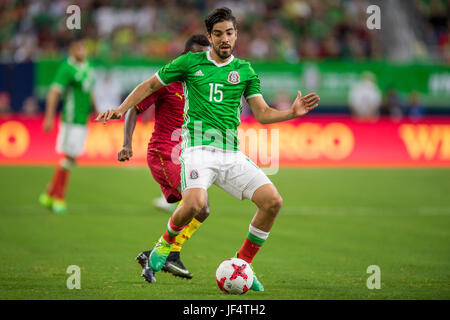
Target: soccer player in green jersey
{"type": "Point", "coordinates": [214, 82]}
{"type": "Point", "coordinates": [75, 80]}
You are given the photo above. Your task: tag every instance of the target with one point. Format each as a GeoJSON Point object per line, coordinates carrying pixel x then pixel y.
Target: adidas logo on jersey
{"type": "Point", "coordinates": [199, 73]}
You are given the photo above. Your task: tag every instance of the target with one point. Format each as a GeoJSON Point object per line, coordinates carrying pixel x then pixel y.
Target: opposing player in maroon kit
{"type": "Point", "coordinates": [163, 149]}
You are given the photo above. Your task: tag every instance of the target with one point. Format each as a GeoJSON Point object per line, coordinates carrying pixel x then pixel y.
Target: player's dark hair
{"type": "Point", "coordinates": [199, 39]}
{"type": "Point", "coordinates": [219, 15]}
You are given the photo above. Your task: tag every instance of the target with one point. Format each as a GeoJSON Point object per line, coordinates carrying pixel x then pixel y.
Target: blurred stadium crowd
{"type": "Point", "coordinates": [288, 31]}
{"type": "Point", "coordinates": [282, 30]}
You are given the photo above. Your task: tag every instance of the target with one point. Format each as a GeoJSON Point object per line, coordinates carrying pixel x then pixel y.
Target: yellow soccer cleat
{"type": "Point", "coordinates": [45, 200]}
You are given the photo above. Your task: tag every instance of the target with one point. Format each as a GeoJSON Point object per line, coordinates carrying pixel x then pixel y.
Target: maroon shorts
{"type": "Point", "coordinates": [165, 172]}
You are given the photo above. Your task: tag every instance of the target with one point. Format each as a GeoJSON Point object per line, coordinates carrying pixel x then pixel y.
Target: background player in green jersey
{"type": "Point", "coordinates": [214, 83]}
{"type": "Point", "coordinates": [75, 81]}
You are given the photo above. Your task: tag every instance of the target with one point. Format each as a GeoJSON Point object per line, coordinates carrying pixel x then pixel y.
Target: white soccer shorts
{"type": "Point", "coordinates": [232, 171]}
{"type": "Point", "coordinates": [71, 139]}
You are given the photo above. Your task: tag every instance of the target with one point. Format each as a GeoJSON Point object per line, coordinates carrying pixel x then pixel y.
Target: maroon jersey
{"type": "Point", "coordinates": [169, 113]}
{"type": "Point", "coordinates": [164, 144]}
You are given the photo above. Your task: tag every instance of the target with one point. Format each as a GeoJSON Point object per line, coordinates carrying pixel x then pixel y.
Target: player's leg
{"type": "Point", "coordinates": [168, 174]}
{"type": "Point", "coordinates": [243, 179]}
{"type": "Point", "coordinates": [173, 263]}
{"type": "Point", "coordinates": [269, 203]}
{"type": "Point", "coordinates": [70, 142]}
{"type": "Point", "coordinates": [46, 198]}
{"type": "Point", "coordinates": [197, 173]}
{"type": "Point", "coordinates": [187, 233]}
{"type": "Point", "coordinates": [54, 197]}
{"type": "Point", "coordinates": [194, 199]}
{"type": "Point", "coordinates": [59, 195]}
{"type": "Point", "coordinates": [161, 168]}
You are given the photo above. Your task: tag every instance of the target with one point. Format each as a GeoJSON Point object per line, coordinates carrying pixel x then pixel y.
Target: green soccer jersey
{"type": "Point", "coordinates": [76, 81]}
{"type": "Point", "coordinates": [213, 95]}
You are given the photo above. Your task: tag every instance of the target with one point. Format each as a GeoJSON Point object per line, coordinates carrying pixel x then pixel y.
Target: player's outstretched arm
{"type": "Point", "coordinates": [142, 91]}
{"type": "Point", "coordinates": [130, 123]}
{"type": "Point", "coordinates": [265, 114]}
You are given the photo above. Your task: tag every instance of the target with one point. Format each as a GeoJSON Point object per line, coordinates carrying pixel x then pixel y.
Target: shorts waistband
{"type": "Point", "coordinates": [209, 148]}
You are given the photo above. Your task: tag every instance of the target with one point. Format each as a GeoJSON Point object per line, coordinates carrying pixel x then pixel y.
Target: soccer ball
{"type": "Point", "coordinates": [234, 276]}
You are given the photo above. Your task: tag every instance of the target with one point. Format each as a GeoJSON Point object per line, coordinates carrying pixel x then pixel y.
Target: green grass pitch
{"type": "Point", "coordinates": [333, 225]}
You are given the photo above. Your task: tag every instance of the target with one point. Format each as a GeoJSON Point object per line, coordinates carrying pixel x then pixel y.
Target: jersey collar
{"type": "Point", "coordinates": [73, 62]}
{"type": "Point", "coordinates": [208, 55]}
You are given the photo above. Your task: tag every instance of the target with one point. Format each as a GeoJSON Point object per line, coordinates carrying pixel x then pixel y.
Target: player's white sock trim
{"type": "Point", "coordinates": [258, 233]}
{"type": "Point", "coordinates": [67, 164]}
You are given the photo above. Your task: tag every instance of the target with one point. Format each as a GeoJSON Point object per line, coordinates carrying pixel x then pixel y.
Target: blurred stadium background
{"type": "Point", "coordinates": [316, 45]}
{"type": "Point", "coordinates": [385, 103]}
{"type": "Point", "coordinates": [399, 73]}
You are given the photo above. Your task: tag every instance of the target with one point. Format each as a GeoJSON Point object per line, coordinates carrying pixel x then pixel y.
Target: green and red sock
{"type": "Point", "coordinates": [254, 241]}
{"type": "Point", "coordinates": [172, 231]}
{"type": "Point", "coordinates": [58, 185]}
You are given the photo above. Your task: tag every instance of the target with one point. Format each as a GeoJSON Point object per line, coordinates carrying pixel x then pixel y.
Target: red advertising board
{"type": "Point", "coordinates": [311, 141]}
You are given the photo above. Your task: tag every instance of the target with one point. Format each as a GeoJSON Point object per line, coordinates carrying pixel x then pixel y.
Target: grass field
{"type": "Point", "coordinates": [333, 225]}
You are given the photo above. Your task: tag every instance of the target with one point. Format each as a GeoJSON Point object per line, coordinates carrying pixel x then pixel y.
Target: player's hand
{"type": "Point", "coordinates": [125, 154]}
{"type": "Point", "coordinates": [303, 105]}
{"type": "Point", "coordinates": [109, 115]}
{"type": "Point", "coordinates": [48, 124]}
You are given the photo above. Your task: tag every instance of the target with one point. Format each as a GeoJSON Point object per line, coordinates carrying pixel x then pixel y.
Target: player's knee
{"type": "Point", "coordinates": [273, 204]}
{"type": "Point", "coordinates": [68, 163]}
{"type": "Point", "coordinates": [204, 213]}
{"type": "Point", "coordinates": [195, 207]}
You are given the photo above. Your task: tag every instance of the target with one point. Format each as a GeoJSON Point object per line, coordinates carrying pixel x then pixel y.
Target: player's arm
{"type": "Point", "coordinates": [62, 79]}
{"type": "Point", "coordinates": [130, 123]}
{"type": "Point", "coordinates": [94, 103]}
{"type": "Point", "coordinates": [142, 91]}
{"type": "Point", "coordinates": [265, 114]}
{"type": "Point", "coordinates": [51, 104]}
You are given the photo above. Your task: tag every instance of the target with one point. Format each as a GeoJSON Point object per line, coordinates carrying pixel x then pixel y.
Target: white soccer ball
{"type": "Point", "coordinates": [234, 276]}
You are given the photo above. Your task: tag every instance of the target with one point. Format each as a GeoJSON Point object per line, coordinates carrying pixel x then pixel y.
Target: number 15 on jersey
{"type": "Point", "coordinates": [215, 93]}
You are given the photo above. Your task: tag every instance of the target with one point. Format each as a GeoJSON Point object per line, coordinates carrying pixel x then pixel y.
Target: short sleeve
{"type": "Point", "coordinates": [253, 85]}
{"type": "Point", "coordinates": [148, 102]}
{"type": "Point", "coordinates": [173, 71]}
{"type": "Point", "coordinates": [63, 77]}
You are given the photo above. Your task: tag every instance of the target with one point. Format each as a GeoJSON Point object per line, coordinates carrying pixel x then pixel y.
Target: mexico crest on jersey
{"type": "Point", "coordinates": [194, 174]}
{"type": "Point", "coordinates": [233, 77]}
